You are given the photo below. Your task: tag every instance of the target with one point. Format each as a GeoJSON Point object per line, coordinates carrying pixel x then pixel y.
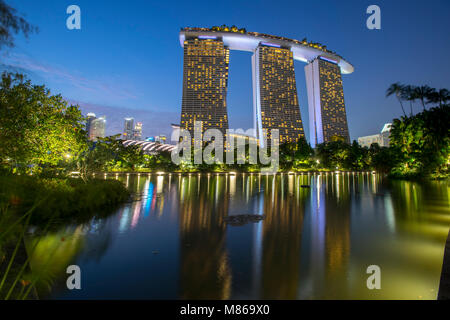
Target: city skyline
{"type": "Point", "coordinates": [115, 78]}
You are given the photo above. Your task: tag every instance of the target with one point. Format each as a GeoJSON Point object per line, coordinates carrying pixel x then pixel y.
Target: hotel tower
{"type": "Point", "coordinates": [327, 116]}
{"type": "Point", "coordinates": [275, 101]}
{"type": "Point", "coordinates": [205, 81]}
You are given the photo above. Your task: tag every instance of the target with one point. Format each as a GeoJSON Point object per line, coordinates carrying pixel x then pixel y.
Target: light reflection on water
{"type": "Point", "coordinates": [175, 239]}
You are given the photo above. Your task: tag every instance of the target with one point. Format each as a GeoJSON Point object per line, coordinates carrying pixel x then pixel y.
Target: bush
{"type": "Point", "coordinates": [64, 200]}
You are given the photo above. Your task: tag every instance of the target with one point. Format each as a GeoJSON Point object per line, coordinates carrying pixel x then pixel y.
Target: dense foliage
{"type": "Point", "coordinates": [422, 143]}
{"type": "Point", "coordinates": [37, 129]}
{"type": "Point", "coordinates": [61, 200]}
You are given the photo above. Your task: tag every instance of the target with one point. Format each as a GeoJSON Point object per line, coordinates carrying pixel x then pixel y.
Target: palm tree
{"type": "Point", "coordinates": [441, 97]}
{"type": "Point", "coordinates": [444, 96]}
{"type": "Point", "coordinates": [422, 93]}
{"type": "Point", "coordinates": [397, 89]}
{"type": "Point", "coordinates": [409, 94]}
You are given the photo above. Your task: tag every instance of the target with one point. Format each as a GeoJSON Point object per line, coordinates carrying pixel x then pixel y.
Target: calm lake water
{"type": "Point", "coordinates": [180, 239]}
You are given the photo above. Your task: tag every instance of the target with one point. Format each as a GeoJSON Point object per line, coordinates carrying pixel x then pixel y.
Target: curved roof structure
{"type": "Point", "coordinates": [149, 147]}
{"type": "Point", "coordinates": [249, 41]}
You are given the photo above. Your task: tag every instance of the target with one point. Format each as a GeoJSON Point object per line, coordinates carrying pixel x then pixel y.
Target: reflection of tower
{"type": "Point", "coordinates": [275, 101]}
{"type": "Point", "coordinates": [204, 267]}
{"type": "Point", "coordinates": [282, 232]}
{"type": "Point", "coordinates": [205, 81]}
{"type": "Point", "coordinates": [327, 115]}
{"type": "Point", "coordinates": [337, 236]}
{"type": "Point", "coordinates": [328, 240]}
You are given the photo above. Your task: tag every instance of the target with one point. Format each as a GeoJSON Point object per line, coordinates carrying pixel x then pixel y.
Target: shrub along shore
{"type": "Point", "coordinates": [61, 200]}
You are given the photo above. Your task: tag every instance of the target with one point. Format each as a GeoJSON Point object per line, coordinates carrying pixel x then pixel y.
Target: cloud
{"type": "Point", "coordinates": [23, 63]}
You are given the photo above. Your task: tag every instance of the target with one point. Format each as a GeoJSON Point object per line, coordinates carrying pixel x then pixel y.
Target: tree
{"type": "Point", "coordinates": [334, 155]}
{"type": "Point", "coordinates": [396, 89]}
{"type": "Point", "coordinates": [296, 154]}
{"type": "Point", "coordinates": [423, 142]}
{"type": "Point", "coordinates": [442, 97]}
{"type": "Point", "coordinates": [12, 24]}
{"type": "Point", "coordinates": [409, 94]}
{"type": "Point", "coordinates": [422, 93]}
{"type": "Point", "coordinates": [383, 159]}
{"type": "Point", "coordinates": [37, 128]}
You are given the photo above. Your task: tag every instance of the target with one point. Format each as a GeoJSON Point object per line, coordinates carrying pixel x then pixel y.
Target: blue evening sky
{"type": "Point", "coordinates": [127, 60]}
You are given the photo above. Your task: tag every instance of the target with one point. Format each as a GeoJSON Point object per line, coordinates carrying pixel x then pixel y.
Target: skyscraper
{"type": "Point", "coordinates": [128, 129]}
{"type": "Point", "coordinates": [205, 81]}
{"type": "Point", "coordinates": [97, 128]}
{"type": "Point", "coordinates": [137, 131]}
{"type": "Point", "coordinates": [275, 102]}
{"type": "Point", "coordinates": [90, 117]}
{"type": "Point", "coordinates": [327, 115]}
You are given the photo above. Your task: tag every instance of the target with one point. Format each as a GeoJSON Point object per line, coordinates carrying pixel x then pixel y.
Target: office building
{"type": "Point", "coordinates": [97, 128]}
{"type": "Point", "coordinates": [382, 138]}
{"type": "Point", "coordinates": [137, 131]}
{"type": "Point", "coordinates": [128, 129]}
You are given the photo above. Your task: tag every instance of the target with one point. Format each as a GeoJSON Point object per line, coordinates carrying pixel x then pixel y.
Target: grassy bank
{"type": "Point", "coordinates": [46, 203]}
{"type": "Point", "coordinates": [63, 200]}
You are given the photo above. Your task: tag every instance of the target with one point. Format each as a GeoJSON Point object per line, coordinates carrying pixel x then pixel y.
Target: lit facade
{"type": "Point", "coordinates": [275, 102]}
{"type": "Point", "coordinates": [97, 128]}
{"type": "Point", "coordinates": [382, 138]}
{"type": "Point", "coordinates": [128, 128]}
{"type": "Point", "coordinates": [327, 114]}
{"type": "Point", "coordinates": [205, 81]}
{"type": "Point", "coordinates": [90, 117]}
{"type": "Point", "coordinates": [137, 131]}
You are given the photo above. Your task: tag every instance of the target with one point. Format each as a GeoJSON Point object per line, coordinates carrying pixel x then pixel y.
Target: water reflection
{"type": "Point", "coordinates": [315, 238]}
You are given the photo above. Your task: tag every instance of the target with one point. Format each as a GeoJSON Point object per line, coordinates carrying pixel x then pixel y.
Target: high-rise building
{"type": "Point", "coordinates": [275, 101]}
{"type": "Point", "coordinates": [90, 117]}
{"type": "Point", "coordinates": [137, 131]}
{"type": "Point", "coordinates": [128, 129]}
{"type": "Point", "coordinates": [327, 115]}
{"type": "Point", "coordinates": [205, 81]}
{"type": "Point", "coordinates": [97, 128]}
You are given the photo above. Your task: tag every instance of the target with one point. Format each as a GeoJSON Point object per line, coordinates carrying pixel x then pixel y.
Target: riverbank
{"type": "Point", "coordinates": [444, 284]}
{"type": "Point", "coordinates": [63, 200]}
{"type": "Point", "coordinates": [45, 204]}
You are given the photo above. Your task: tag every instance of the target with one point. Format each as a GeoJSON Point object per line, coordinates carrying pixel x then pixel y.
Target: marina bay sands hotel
{"type": "Point", "coordinates": [275, 100]}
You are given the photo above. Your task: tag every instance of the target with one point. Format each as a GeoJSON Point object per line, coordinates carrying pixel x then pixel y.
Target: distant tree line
{"type": "Point", "coordinates": [423, 94]}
